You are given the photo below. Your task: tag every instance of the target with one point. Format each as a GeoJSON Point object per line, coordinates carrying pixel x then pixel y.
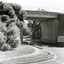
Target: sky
{"type": "Point", "coordinates": [48, 5]}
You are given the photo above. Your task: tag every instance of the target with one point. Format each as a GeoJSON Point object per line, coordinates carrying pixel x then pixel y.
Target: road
{"type": "Point", "coordinates": [59, 51]}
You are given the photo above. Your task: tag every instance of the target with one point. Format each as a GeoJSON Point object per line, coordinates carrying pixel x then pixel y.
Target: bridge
{"type": "Point", "coordinates": [39, 15]}
{"type": "Point", "coordinates": [52, 25]}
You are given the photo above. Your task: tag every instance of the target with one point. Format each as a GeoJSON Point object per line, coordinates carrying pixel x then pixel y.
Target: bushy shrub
{"type": "Point", "coordinates": [36, 29]}
{"type": "Point", "coordinates": [2, 27]}
{"type": "Point", "coordinates": [11, 19]}
{"type": "Point", "coordinates": [3, 39]}
{"type": "Point", "coordinates": [26, 31]}
{"type": "Point", "coordinates": [19, 24]}
{"type": "Point", "coordinates": [19, 12]}
{"type": "Point", "coordinates": [1, 7]}
{"type": "Point", "coordinates": [16, 7]}
{"type": "Point", "coordinates": [13, 33]}
{"type": "Point", "coordinates": [5, 47]}
{"type": "Point", "coordinates": [5, 18]}
{"type": "Point", "coordinates": [13, 43]}
{"type": "Point", "coordinates": [8, 10]}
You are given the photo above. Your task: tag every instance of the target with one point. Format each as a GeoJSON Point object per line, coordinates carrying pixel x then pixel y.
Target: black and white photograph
{"type": "Point", "coordinates": [31, 31]}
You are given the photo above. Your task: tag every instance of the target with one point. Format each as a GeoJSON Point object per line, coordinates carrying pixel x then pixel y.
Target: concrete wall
{"type": "Point", "coordinates": [49, 30]}
{"type": "Point", "coordinates": [61, 25]}
{"type": "Point", "coordinates": [39, 15]}
{"type": "Point", "coordinates": [61, 28]}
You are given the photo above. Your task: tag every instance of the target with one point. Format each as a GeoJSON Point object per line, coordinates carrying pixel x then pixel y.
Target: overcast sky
{"type": "Point", "coordinates": [49, 5]}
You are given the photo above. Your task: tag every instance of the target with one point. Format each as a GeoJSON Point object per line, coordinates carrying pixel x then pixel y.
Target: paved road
{"type": "Point", "coordinates": [59, 51]}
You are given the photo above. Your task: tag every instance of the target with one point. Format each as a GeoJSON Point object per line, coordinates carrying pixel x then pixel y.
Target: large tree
{"type": "Point", "coordinates": [11, 19]}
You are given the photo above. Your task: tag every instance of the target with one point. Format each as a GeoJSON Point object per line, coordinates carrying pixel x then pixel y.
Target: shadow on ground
{"type": "Point", "coordinates": [39, 43]}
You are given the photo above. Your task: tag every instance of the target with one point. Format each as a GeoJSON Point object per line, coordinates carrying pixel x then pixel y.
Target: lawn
{"type": "Point", "coordinates": [20, 51]}
{"type": "Point", "coordinates": [18, 58]}
{"type": "Point", "coordinates": [32, 59]}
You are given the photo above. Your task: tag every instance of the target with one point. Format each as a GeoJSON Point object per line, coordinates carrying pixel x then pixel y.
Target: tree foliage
{"type": "Point", "coordinates": [35, 29]}
{"type": "Point", "coordinates": [11, 19]}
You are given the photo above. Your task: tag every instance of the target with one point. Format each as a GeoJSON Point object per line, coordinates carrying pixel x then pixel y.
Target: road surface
{"type": "Point", "coordinates": [59, 51]}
